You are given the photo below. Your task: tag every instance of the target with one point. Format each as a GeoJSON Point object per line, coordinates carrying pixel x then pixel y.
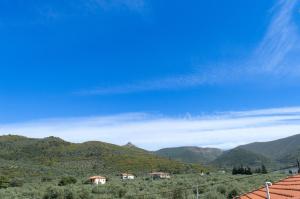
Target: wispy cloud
{"type": "Point", "coordinates": [44, 12]}
{"type": "Point", "coordinates": [158, 84]}
{"type": "Point", "coordinates": [133, 5]}
{"type": "Point", "coordinates": [269, 58]}
{"type": "Point", "coordinates": [151, 131]}
{"type": "Point", "coordinates": [168, 83]}
{"type": "Point", "coordinates": [280, 39]}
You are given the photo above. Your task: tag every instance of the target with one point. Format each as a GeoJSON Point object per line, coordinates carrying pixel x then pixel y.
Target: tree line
{"type": "Point", "coordinates": [248, 171]}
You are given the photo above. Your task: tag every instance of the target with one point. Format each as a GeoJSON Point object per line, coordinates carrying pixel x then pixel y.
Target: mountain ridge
{"type": "Point", "coordinates": [39, 156]}
{"type": "Point", "coordinates": [276, 153]}
{"type": "Point", "coordinates": [190, 154]}
{"type": "Point", "coordinates": [103, 156]}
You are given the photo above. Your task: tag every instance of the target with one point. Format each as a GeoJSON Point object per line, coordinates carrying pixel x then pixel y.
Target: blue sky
{"type": "Point", "coordinates": [92, 58]}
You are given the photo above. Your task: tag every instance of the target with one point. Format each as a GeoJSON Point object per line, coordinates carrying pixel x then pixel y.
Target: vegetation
{"type": "Point", "coordinates": [4, 182]}
{"type": "Point", "coordinates": [241, 170]}
{"type": "Point", "coordinates": [263, 169]}
{"type": "Point", "coordinates": [67, 180]}
{"type": "Point", "coordinates": [182, 186]}
{"type": "Point", "coordinates": [52, 157]}
{"type": "Point", "coordinates": [253, 155]}
{"type": "Point", "coordinates": [288, 154]}
{"type": "Point", "coordinates": [190, 154]}
{"type": "Point", "coordinates": [239, 156]}
{"type": "Point", "coordinates": [247, 170]}
{"type": "Point", "coordinates": [52, 168]}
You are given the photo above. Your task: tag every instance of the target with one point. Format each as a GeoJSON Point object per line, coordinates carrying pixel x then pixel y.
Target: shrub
{"type": "Point", "coordinates": [264, 169]}
{"type": "Point", "coordinates": [221, 189]}
{"type": "Point", "coordinates": [129, 197]}
{"type": "Point", "coordinates": [86, 182]}
{"type": "Point", "coordinates": [232, 194]}
{"type": "Point", "coordinates": [116, 190]}
{"type": "Point", "coordinates": [53, 193]}
{"type": "Point", "coordinates": [84, 194]}
{"type": "Point", "coordinates": [121, 192]}
{"type": "Point", "coordinates": [99, 190]}
{"type": "Point", "coordinates": [46, 179]}
{"type": "Point", "coordinates": [201, 190]}
{"type": "Point", "coordinates": [68, 194]}
{"type": "Point", "coordinates": [67, 180]}
{"type": "Point", "coordinates": [214, 195]}
{"type": "Point", "coordinates": [4, 183]}
{"type": "Point", "coordinates": [16, 182]}
{"type": "Point", "coordinates": [177, 193]}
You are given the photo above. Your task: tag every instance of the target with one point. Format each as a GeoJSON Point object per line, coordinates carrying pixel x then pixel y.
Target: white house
{"type": "Point", "coordinates": [127, 176]}
{"type": "Point", "coordinates": [160, 175]}
{"type": "Point", "coordinates": [97, 180]}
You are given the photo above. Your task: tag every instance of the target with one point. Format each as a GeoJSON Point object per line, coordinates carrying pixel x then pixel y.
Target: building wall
{"type": "Point", "coordinates": [99, 181]}
{"type": "Point", "coordinates": [128, 177]}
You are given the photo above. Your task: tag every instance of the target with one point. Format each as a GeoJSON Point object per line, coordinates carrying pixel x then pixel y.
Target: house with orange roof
{"type": "Point", "coordinates": [97, 180]}
{"type": "Point", "coordinates": [283, 189]}
{"type": "Point", "coordinates": [160, 175]}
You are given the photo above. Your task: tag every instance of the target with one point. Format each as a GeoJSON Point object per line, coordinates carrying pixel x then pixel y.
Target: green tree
{"type": "Point", "coordinates": [4, 182]}
{"type": "Point", "coordinates": [177, 193]}
{"type": "Point", "coordinates": [221, 189]}
{"type": "Point", "coordinates": [258, 170]}
{"type": "Point", "coordinates": [53, 193]}
{"type": "Point", "coordinates": [234, 171]}
{"type": "Point", "coordinates": [263, 169]}
{"type": "Point", "coordinates": [84, 194]}
{"type": "Point", "coordinates": [232, 194]}
{"type": "Point", "coordinates": [241, 170]}
{"type": "Point", "coordinates": [67, 180]}
{"type": "Point", "coordinates": [68, 194]}
{"type": "Point", "coordinates": [16, 182]}
{"type": "Point", "coordinates": [248, 171]}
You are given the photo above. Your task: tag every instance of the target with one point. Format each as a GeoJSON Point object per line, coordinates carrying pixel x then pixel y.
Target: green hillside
{"type": "Point", "coordinates": [284, 150]}
{"type": "Point", "coordinates": [21, 156]}
{"type": "Point", "coordinates": [190, 154]}
{"type": "Point", "coordinates": [239, 156]}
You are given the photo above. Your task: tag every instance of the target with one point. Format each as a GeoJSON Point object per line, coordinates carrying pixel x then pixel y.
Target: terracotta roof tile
{"type": "Point", "coordinates": [97, 177]}
{"type": "Point", "coordinates": [284, 189]}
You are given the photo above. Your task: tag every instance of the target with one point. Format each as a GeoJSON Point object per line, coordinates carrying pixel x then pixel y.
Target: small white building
{"type": "Point", "coordinates": [127, 176]}
{"type": "Point", "coordinates": [97, 180]}
{"type": "Point", "coordinates": [160, 175]}
{"type": "Point", "coordinates": [222, 171]}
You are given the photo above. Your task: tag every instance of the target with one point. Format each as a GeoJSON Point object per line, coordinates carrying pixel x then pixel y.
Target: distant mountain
{"type": "Point", "coordinates": [277, 153]}
{"type": "Point", "coordinates": [54, 156]}
{"type": "Point", "coordinates": [239, 156]}
{"type": "Point", "coordinates": [190, 154]}
{"type": "Point", "coordinates": [129, 144]}
{"type": "Point", "coordinates": [286, 150]}
{"type": "Point", "coordinates": [132, 146]}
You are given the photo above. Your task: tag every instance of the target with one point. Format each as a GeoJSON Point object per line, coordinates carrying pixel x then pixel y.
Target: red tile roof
{"type": "Point", "coordinates": [158, 173]}
{"type": "Point", "coordinates": [127, 174]}
{"type": "Point", "coordinates": [284, 189]}
{"type": "Point", "coordinates": [97, 177]}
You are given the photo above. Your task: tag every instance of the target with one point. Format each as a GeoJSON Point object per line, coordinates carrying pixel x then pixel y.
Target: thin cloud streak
{"type": "Point", "coordinates": [170, 83]}
{"type": "Point", "coordinates": [150, 131]}
{"type": "Point", "coordinates": [43, 13]}
{"type": "Point", "coordinates": [280, 39]}
{"type": "Point", "coordinates": [133, 5]}
{"type": "Point", "coordinates": [269, 58]}
{"type": "Point", "coordinates": [160, 84]}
